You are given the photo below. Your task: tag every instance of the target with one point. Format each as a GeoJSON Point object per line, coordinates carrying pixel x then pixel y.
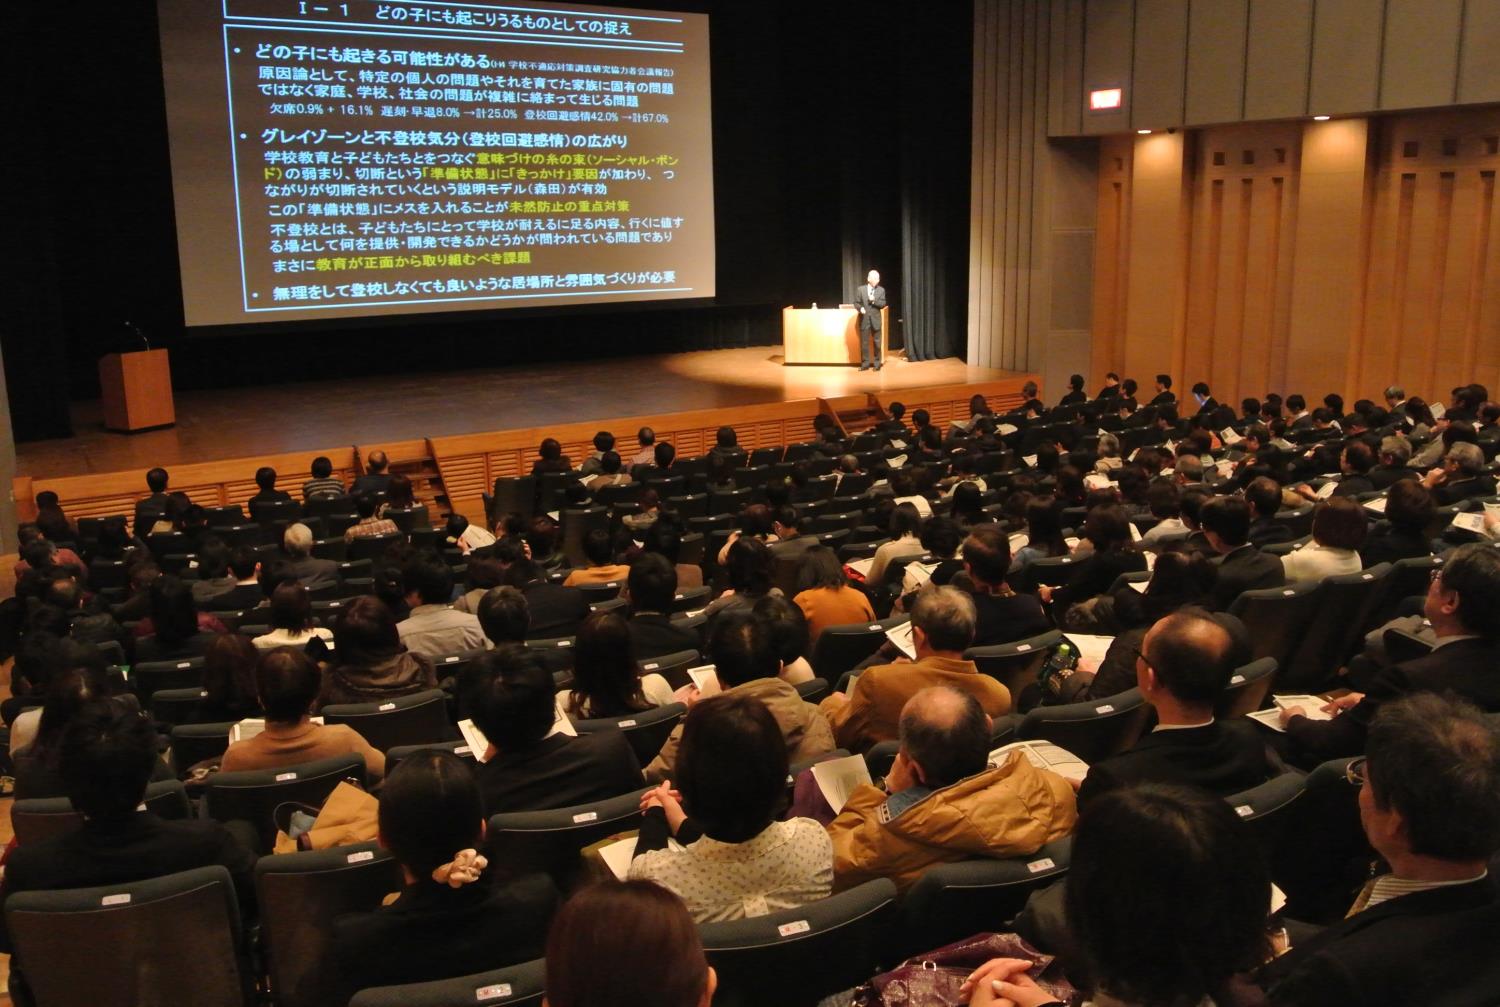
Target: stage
{"type": "Point", "coordinates": [455, 432]}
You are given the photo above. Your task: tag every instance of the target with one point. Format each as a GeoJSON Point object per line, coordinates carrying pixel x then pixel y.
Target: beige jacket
{"type": "Point", "coordinates": [806, 730]}
{"type": "Point", "coordinates": [1007, 811]}
{"type": "Point", "coordinates": [873, 711]}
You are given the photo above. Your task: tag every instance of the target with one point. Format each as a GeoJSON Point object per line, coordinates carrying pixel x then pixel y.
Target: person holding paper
{"type": "Point", "coordinates": [942, 803]}
{"type": "Point", "coordinates": [450, 918]}
{"type": "Point", "coordinates": [747, 663]}
{"type": "Point", "coordinates": [735, 859]}
{"type": "Point", "coordinates": [1338, 530]}
{"type": "Point", "coordinates": [1429, 802]}
{"type": "Point", "coordinates": [1463, 607]}
{"type": "Point", "coordinates": [1182, 668]}
{"type": "Point", "coordinates": [942, 629]}
{"type": "Point", "coordinates": [905, 527]}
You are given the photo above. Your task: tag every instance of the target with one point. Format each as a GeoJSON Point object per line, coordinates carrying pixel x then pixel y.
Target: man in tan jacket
{"type": "Point", "coordinates": [943, 803]}
{"type": "Point", "coordinates": [942, 620]}
{"type": "Point", "coordinates": [747, 664]}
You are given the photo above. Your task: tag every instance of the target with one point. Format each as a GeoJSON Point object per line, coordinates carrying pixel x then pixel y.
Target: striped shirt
{"type": "Point", "coordinates": [322, 488]}
{"type": "Point", "coordinates": [1388, 886]}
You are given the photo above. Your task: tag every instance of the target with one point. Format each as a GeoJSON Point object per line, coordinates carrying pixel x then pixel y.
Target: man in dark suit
{"type": "Point", "coordinates": [1241, 567]}
{"type": "Point", "coordinates": [1460, 477]}
{"type": "Point", "coordinates": [376, 479]}
{"type": "Point", "coordinates": [1463, 606]}
{"type": "Point", "coordinates": [556, 610]}
{"type": "Point", "coordinates": [1429, 802]}
{"type": "Point", "coordinates": [1395, 452]}
{"type": "Point", "coordinates": [1164, 394]}
{"type": "Point", "coordinates": [650, 588]}
{"type": "Point", "coordinates": [869, 299]}
{"type": "Point", "coordinates": [529, 767]}
{"type": "Point", "coordinates": [106, 759]}
{"type": "Point", "coordinates": [1000, 615]}
{"type": "Point", "coordinates": [244, 566]}
{"type": "Point", "coordinates": [1264, 496]}
{"type": "Point", "coordinates": [301, 564]}
{"type": "Point", "coordinates": [1184, 665]}
{"type": "Point", "coordinates": [149, 510]}
{"type": "Point", "coordinates": [265, 481]}
{"type": "Point", "coordinates": [1207, 404]}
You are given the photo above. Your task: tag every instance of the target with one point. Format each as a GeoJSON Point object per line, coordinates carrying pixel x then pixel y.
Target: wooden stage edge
{"type": "Point", "coordinates": [462, 467]}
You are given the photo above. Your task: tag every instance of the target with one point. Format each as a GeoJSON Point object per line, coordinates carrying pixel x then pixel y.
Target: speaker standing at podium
{"type": "Point", "coordinates": [869, 299]}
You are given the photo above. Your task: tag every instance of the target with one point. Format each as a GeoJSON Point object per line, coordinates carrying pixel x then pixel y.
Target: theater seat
{"type": "Point", "coordinates": [1247, 689]}
{"type": "Point", "coordinates": [407, 720]}
{"type": "Point", "coordinates": [170, 940]}
{"type": "Point", "coordinates": [1092, 730]}
{"type": "Point", "coordinates": [253, 795]}
{"type": "Point", "coordinates": [193, 743]}
{"type": "Point", "coordinates": [797, 957]}
{"type": "Point", "coordinates": [646, 731]}
{"type": "Point", "coordinates": [841, 648]}
{"type": "Point", "coordinates": [299, 896]}
{"type": "Point", "coordinates": [459, 748]}
{"type": "Point", "coordinates": [516, 986]}
{"type": "Point", "coordinates": [952, 901]}
{"type": "Point", "coordinates": [1267, 809]}
{"type": "Point", "coordinates": [35, 819]}
{"type": "Point", "coordinates": [1015, 665]}
{"type": "Point", "coordinates": [550, 841]}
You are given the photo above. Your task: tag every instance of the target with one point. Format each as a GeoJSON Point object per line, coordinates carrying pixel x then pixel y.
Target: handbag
{"type": "Point", "coordinates": [933, 979]}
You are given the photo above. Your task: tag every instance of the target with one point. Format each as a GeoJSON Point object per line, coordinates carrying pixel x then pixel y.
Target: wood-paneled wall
{"type": "Point", "coordinates": [1303, 256]}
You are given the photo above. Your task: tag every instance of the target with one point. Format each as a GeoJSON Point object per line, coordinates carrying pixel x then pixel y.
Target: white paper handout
{"type": "Point", "coordinates": [1326, 490]}
{"type": "Point", "coordinates": [1139, 585]}
{"type": "Point", "coordinates": [475, 739]}
{"type": "Point", "coordinates": [1225, 467]}
{"type": "Point", "coordinates": [706, 678]}
{"type": "Point", "coordinates": [896, 461]}
{"type": "Point", "coordinates": [1471, 521]}
{"type": "Point", "coordinates": [1377, 505]}
{"type": "Point", "coordinates": [1228, 436]}
{"type": "Point", "coordinates": [861, 566]}
{"type": "Point", "coordinates": [838, 778]}
{"type": "Point", "coordinates": [902, 638]}
{"type": "Point", "coordinates": [1030, 461]}
{"type": "Point", "coordinates": [618, 854]}
{"type": "Point", "coordinates": [1044, 755]}
{"type": "Point", "coordinates": [1312, 706]}
{"type": "Point", "coordinates": [1018, 541]}
{"type": "Point", "coordinates": [1006, 429]}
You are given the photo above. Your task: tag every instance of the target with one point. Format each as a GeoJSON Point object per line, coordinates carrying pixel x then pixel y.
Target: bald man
{"type": "Point", "coordinates": [376, 479]}
{"type": "Point", "coordinates": [1184, 666]}
{"type": "Point", "coordinates": [942, 802]}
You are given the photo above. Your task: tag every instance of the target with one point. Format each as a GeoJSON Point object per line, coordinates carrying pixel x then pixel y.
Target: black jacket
{"type": "Point", "coordinates": [1245, 569]}
{"type": "Point", "coordinates": [559, 772]}
{"type": "Point", "coordinates": [1223, 758]}
{"type": "Point", "coordinates": [555, 610]}
{"type": "Point", "coordinates": [656, 636]}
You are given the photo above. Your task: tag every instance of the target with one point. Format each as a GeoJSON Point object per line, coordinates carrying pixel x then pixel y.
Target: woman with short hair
{"type": "Point", "coordinates": [291, 619]}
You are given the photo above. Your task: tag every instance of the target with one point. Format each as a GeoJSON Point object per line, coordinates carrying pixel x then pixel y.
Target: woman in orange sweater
{"type": "Point", "coordinates": [824, 594]}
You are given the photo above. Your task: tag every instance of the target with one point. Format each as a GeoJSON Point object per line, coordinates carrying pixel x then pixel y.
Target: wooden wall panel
{"type": "Point", "coordinates": [1277, 50]}
{"type": "Point", "coordinates": [1479, 59]}
{"type": "Point", "coordinates": [1160, 214]}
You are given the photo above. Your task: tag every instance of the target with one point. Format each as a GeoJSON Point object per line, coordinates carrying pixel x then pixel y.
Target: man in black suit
{"type": "Point", "coordinates": [1184, 665]}
{"type": "Point", "coordinates": [1463, 606]}
{"type": "Point", "coordinates": [107, 756]}
{"type": "Point", "coordinates": [1264, 496]}
{"type": "Point", "coordinates": [1000, 614]}
{"type": "Point", "coordinates": [1164, 394]}
{"type": "Point", "coordinates": [247, 592]}
{"type": "Point", "coordinates": [1395, 452]}
{"type": "Point", "coordinates": [1461, 475]}
{"type": "Point", "coordinates": [1111, 389]}
{"type": "Point", "coordinates": [528, 767]}
{"type": "Point", "coordinates": [556, 611]}
{"type": "Point", "coordinates": [869, 299]}
{"type": "Point", "coordinates": [265, 480]}
{"type": "Point", "coordinates": [1429, 802]}
{"type": "Point", "coordinates": [300, 564]}
{"type": "Point", "coordinates": [650, 588]}
{"type": "Point", "coordinates": [1206, 402]}
{"type": "Point", "coordinates": [1241, 567]}
{"type": "Point", "coordinates": [149, 510]}
{"type": "Point", "coordinates": [376, 479]}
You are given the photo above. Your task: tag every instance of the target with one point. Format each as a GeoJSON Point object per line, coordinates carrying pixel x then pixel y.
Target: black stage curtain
{"type": "Point", "coordinates": [841, 143]}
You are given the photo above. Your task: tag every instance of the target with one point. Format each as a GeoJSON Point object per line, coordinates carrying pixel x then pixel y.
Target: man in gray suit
{"type": "Point", "coordinates": [869, 299]}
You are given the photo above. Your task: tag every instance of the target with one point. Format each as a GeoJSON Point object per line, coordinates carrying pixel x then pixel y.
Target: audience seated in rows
{"type": "Point", "coordinates": [825, 595]}
{"type": "Point", "coordinates": [370, 524]}
{"type": "Point", "coordinates": [599, 552]}
{"type": "Point", "coordinates": [1338, 532]}
{"type": "Point", "coordinates": [737, 860]}
{"type": "Point", "coordinates": [650, 590]}
{"type": "Point", "coordinates": [1241, 567]}
{"type": "Point", "coordinates": [291, 619]}
{"type": "Point", "coordinates": [300, 564]}
{"type": "Point", "coordinates": [434, 628]}
{"type": "Point", "coordinates": [606, 677]}
{"type": "Point", "coordinates": [370, 663]}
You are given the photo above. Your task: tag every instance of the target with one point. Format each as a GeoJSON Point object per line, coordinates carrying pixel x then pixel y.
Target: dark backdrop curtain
{"type": "Point", "coordinates": [841, 143]}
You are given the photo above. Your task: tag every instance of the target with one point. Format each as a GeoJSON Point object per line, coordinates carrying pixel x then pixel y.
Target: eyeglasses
{"type": "Point", "coordinates": [1141, 657]}
{"type": "Point", "coordinates": [1355, 773]}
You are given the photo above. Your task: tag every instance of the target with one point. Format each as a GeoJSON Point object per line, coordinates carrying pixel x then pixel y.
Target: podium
{"type": "Point", "coordinates": [826, 335]}
{"type": "Point", "coordinates": [137, 391]}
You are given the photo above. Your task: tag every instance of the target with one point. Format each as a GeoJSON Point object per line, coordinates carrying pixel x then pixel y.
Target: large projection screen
{"type": "Point", "coordinates": [338, 160]}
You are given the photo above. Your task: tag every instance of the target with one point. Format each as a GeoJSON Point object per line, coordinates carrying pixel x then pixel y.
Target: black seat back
{"type": "Point", "coordinates": [407, 720]}
{"type": "Point", "coordinates": [253, 795]}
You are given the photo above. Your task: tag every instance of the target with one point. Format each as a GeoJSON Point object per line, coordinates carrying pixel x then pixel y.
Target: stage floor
{"type": "Point", "coordinates": [254, 421]}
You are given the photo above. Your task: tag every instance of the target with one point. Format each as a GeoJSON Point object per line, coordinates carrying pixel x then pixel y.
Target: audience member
{"type": "Point", "coordinates": [265, 482]}
{"type": "Point", "coordinates": [451, 918]}
{"type": "Point", "coordinates": [504, 615]}
{"type": "Point", "coordinates": [593, 465]}
{"type": "Point", "coordinates": [370, 524]}
{"type": "Point", "coordinates": [153, 506]}
{"type": "Point", "coordinates": [941, 800]}
{"type": "Point", "coordinates": [322, 484]}
{"type": "Point", "coordinates": [376, 478]}
{"type": "Point", "coordinates": [606, 677]}
{"type": "Point", "coordinates": [176, 631]}
{"type": "Point", "coordinates": [1001, 614]}
{"type": "Point", "coordinates": [788, 628]}
{"type": "Point", "coordinates": [287, 682]}
{"type": "Point", "coordinates": [301, 564]}
{"type": "Point", "coordinates": [650, 588]}
{"type": "Point", "coordinates": [1338, 530]}
{"type": "Point", "coordinates": [737, 860]}
{"type": "Point", "coordinates": [230, 690]}
{"type": "Point", "coordinates": [434, 628]}
{"type": "Point", "coordinates": [1241, 567]}
{"type": "Point", "coordinates": [292, 622]}
{"type": "Point", "coordinates": [599, 552]}
{"type": "Point", "coordinates": [555, 610]}
{"type": "Point", "coordinates": [824, 593]}
{"type": "Point", "coordinates": [905, 529]}
{"type": "Point", "coordinates": [942, 623]}
{"type": "Point", "coordinates": [371, 664]}
{"type": "Point", "coordinates": [1403, 533]}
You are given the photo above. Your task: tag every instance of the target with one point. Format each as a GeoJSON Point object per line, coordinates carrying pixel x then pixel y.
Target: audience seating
{"type": "Point", "coordinates": [1278, 617]}
{"type": "Point", "coordinates": [953, 901]}
{"type": "Point", "coordinates": [1409, 578]}
{"type": "Point", "coordinates": [169, 940]}
{"type": "Point", "coordinates": [1266, 809]}
{"type": "Point", "coordinates": [517, 986]}
{"type": "Point", "coordinates": [1326, 856]}
{"type": "Point", "coordinates": [646, 731]}
{"type": "Point", "coordinates": [38, 818]}
{"type": "Point", "coordinates": [150, 677]}
{"type": "Point", "coordinates": [193, 743]}
{"type": "Point", "coordinates": [1247, 691]}
{"type": "Point", "coordinates": [673, 667]}
{"type": "Point", "coordinates": [799, 956]}
{"type": "Point", "coordinates": [253, 795]}
{"type": "Point", "coordinates": [1015, 665]}
{"type": "Point", "coordinates": [842, 648]}
{"type": "Point", "coordinates": [596, 593]}
{"type": "Point", "coordinates": [1091, 730]}
{"type": "Point", "coordinates": [459, 748]}
{"type": "Point", "coordinates": [1344, 604]}
{"type": "Point", "coordinates": [550, 841]}
{"type": "Point", "coordinates": [556, 653]}
{"type": "Point", "coordinates": [299, 895]}
{"type": "Point", "coordinates": [373, 546]}
{"type": "Point", "coordinates": [813, 690]}
{"type": "Point", "coordinates": [407, 720]}
{"type": "Point", "coordinates": [1401, 645]}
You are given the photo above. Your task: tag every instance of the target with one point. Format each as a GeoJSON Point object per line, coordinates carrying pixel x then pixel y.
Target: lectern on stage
{"type": "Point", "coordinates": [137, 390]}
{"type": "Point", "coordinates": [826, 335]}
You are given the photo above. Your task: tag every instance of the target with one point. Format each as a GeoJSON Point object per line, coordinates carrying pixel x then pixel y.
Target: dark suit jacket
{"type": "Point", "coordinates": [311, 571]}
{"type": "Point", "coordinates": [269, 496]}
{"type": "Point", "coordinates": [1073, 398]}
{"type": "Point", "coordinates": [1245, 569]}
{"type": "Point", "coordinates": [147, 511]}
{"type": "Point", "coordinates": [1163, 399]}
{"type": "Point", "coordinates": [143, 846]}
{"type": "Point", "coordinates": [559, 772]}
{"type": "Point", "coordinates": [656, 635]}
{"type": "Point", "coordinates": [435, 932]}
{"type": "Point", "coordinates": [1007, 619]}
{"type": "Point", "coordinates": [1387, 544]}
{"type": "Point", "coordinates": [1266, 531]}
{"type": "Point", "coordinates": [1386, 476]}
{"type": "Point", "coordinates": [1462, 489]}
{"type": "Point", "coordinates": [1438, 945]}
{"type": "Point", "coordinates": [555, 610]}
{"type": "Point", "coordinates": [869, 318]}
{"type": "Point", "coordinates": [1209, 405]}
{"type": "Point", "coordinates": [371, 482]}
{"type": "Point", "coordinates": [1354, 485]}
{"type": "Point", "coordinates": [1464, 667]}
{"type": "Point", "coordinates": [1223, 758]}
{"type": "Point", "coordinates": [241, 596]}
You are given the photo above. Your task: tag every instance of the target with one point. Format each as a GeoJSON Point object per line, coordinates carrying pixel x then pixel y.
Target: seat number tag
{"type": "Point", "coordinates": [1106, 708]}
{"type": "Point", "coordinates": [1244, 810]}
{"type": "Point", "coordinates": [283, 777]}
{"type": "Point", "coordinates": [795, 927]}
{"type": "Point", "coordinates": [360, 857]}
{"type": "Point", "coordinates": [1044, 864]}
{"type": "Point", "coordinates": [122, 899]}
{"type": "Point", "coordinates": [496, 992]}
{"type": "Point", "coordinates": [387, 706]}
{"type": "Point", "coordinates": [586, 816]}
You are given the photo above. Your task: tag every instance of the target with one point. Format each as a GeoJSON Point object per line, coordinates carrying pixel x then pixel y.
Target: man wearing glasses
{"type": "Point", "coordinates": [1423, 932]}
{"type": "Point", "coordinates": [1463, 606]}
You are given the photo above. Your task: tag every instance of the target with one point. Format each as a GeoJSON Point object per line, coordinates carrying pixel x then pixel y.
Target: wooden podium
{"type": "Point", "coordinates": [137, 391]}
{"type": "Point", "coordinates": [826, 335]}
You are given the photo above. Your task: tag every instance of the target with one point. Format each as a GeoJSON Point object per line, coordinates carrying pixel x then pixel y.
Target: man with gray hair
{"type": "Point", "coordinates": [1395, 397]}
{"type": "Point", "coordinates": [942, 621]}
{"type": "Point", "coordinates": [1460, 477]}
{"type": "Point", "coordinates": [1188, 470]}
{"type": "Point", "coordinates": [942, 802]}
{"type": "Point", "coordinates": [300, 564]}
{"type": "Point", "coordinates": [1429, 802]}
{"type": "Point", "coordinates": [1394, 463]}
